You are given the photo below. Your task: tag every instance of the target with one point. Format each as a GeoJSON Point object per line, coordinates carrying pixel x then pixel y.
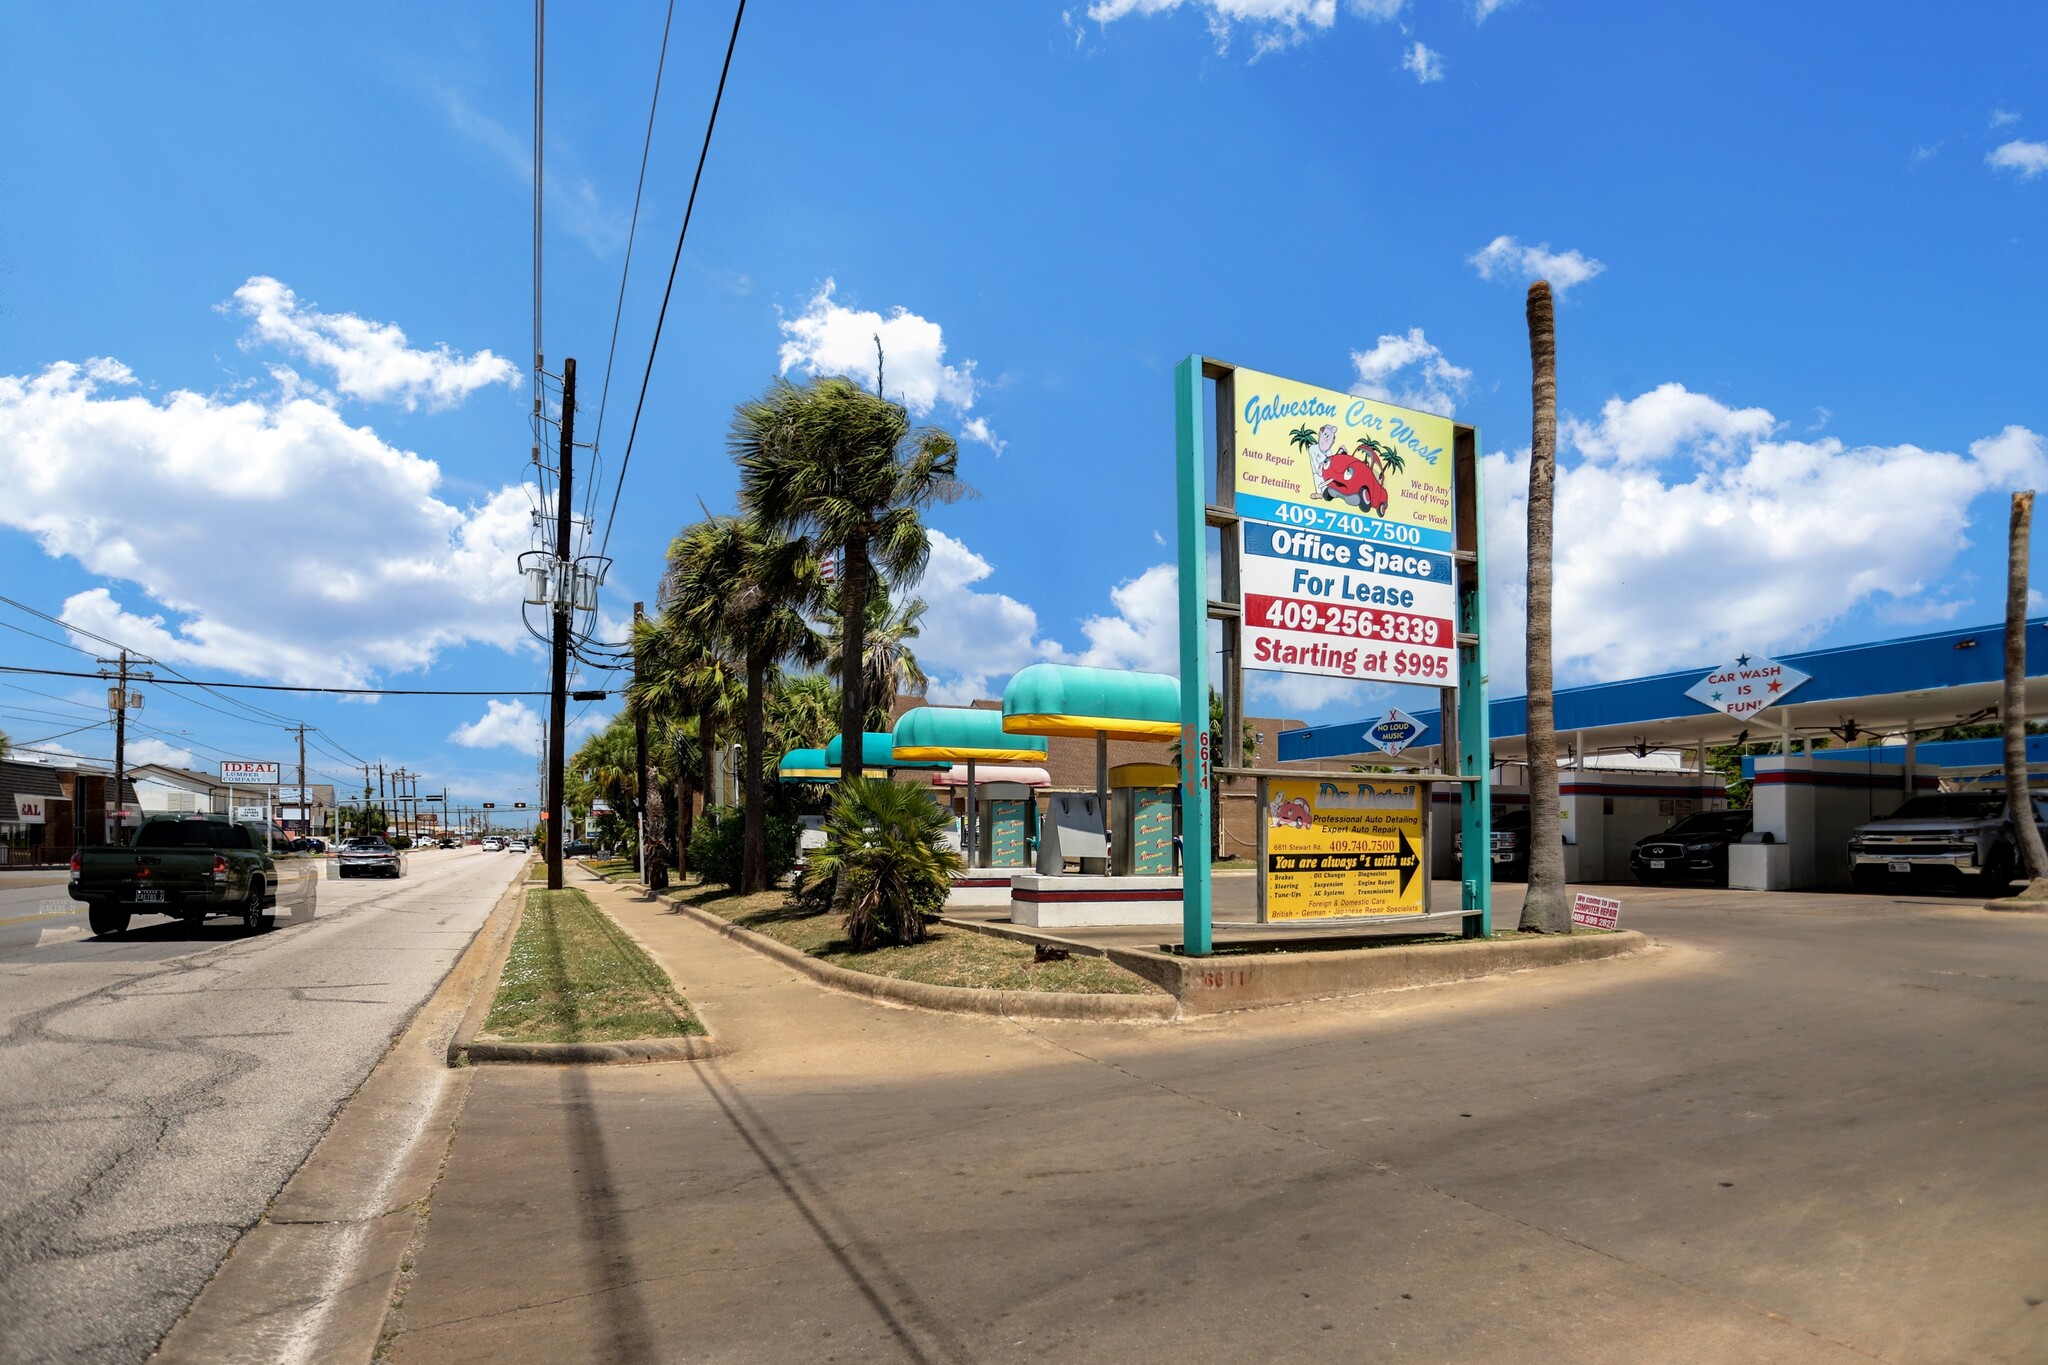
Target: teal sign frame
{"type": "Point", "coordinates": [1467, 745]}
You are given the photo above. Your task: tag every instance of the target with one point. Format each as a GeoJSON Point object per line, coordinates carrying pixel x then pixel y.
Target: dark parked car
{"type": "Point", "coordinates": [1696, 847]}
{"type": "Point", "coordinates": [1510, 843]}
{"type": "Point", "coordinates": [579, 848]}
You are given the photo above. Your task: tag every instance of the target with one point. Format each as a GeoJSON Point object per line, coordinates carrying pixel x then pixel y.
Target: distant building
{"type": "Point", "coordinates": [49, 809]}
{"type": "Point", "coordinates": [164, 790]}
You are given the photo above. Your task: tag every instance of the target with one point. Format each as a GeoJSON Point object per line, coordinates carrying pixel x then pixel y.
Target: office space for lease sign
{"type": "Point", "coordinates": [1345, 538]}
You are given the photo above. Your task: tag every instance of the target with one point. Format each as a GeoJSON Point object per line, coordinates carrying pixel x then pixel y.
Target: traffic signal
{"type": "Point", "coordinates": [490, 805]}
{"type": "Point", "coordinates": [519, 805]}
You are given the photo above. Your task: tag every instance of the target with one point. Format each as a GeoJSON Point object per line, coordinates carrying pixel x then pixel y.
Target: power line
{"type": "Point", "coordinates": [688, 208]}
{"type": "Point", "coordinates": [182, 681]}
{"type": "Point", "coordinates": [46, 639]}
{"type": "Point", "coordinates": [626, 270]}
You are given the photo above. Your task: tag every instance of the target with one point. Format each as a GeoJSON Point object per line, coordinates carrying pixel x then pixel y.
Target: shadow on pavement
{"type": "Point", "coordinates": [607, 1249]}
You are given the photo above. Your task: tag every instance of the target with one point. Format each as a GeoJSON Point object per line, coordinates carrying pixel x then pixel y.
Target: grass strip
{"type": "Point", "coordinates": [950, 957]}
{"type": "Point", "coordinates": [576, 977]}
{"type": "Point", "coordinates": [613, 869]}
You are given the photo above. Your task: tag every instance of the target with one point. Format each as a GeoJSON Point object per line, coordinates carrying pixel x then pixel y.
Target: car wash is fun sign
{"type": "Point", "coordinates": [1345, 549]}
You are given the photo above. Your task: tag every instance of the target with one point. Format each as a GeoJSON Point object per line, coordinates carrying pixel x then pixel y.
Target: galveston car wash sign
{"type": "Point", "coordinates": [1345, 535]}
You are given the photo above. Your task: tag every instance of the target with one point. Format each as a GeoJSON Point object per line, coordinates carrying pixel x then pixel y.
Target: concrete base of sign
{"type": "Point", "coordinates": [981, 887]}
{"type": "Point", "coordinates": [1760, 867]}
{"type": "Point", "coordinates": [1051, 902]}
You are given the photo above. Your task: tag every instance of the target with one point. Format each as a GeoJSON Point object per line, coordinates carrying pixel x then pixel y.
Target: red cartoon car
{"type": "Point", "coordinates": [1355, 480]}
{"type": "Point", "coordinates": [1294, 813]}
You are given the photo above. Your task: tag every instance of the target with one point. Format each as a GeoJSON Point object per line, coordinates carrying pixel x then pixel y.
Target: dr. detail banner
{"type": "Point", "coordinates": [1339, 849]}
{"type": "Point", "coordinates": [1346, 535]}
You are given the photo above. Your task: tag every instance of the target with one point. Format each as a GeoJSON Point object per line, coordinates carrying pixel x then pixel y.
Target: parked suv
{"type": "Point", "coordinates": [1696, 846]}
{"type": "Point", "coordinates": [1955, 838]}
{"type": "Point", "coordinates": [1510, 843]}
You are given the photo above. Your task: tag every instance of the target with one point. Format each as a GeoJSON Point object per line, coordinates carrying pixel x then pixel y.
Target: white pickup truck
{"type": "Point", "coordinates": [1957, 839]}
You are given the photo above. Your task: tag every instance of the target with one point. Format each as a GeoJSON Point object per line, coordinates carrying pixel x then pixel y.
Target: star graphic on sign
{"type": "Point", "coordinates": [1777, 687]}
{"type": "Point", "coordinates": [1742, 661]}
{"type": "Point", "coordinates": [1717, 696]}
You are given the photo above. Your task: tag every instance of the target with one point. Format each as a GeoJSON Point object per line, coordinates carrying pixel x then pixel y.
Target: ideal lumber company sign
{"type": "Point", "coordinates": [237, 773]}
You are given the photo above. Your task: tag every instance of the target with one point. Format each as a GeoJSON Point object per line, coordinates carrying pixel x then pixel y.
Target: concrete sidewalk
{"type": "Point", "coordinates": [1782, 1137]}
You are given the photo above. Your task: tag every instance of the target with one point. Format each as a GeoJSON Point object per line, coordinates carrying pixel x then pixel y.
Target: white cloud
{"type": "Point", "coordinates": [338, 526]}
{"type": "Point", "coordinates": [1424, 63]}
{"type": "Point", "coordinates": [504, 724]}
{"type": "Point", "coordinates": [2025, 159]}
{"type": "Point", "coordinates": [1923, 154]}
{"type": "Point", "coordinates": [1300, 695]}
{"type": "Point", "coordinates": [971, 641]}
{"type": "Point", "coordinates": [977, 429]}
{"type": "Point", "coordinates": [830, 338]}
{"type": "Point", "coordinates": [1505, 258]}
{"type": "Point", "coordinates": [1274, 24]}
{"type": "Point", "coordinates": [1745, 543]}
{"type": "Point", "coordinates": [1144, 633]}
{"type": "Point", "coordinates": [369, 360]}
{"type": "Point", "coordinates": [1411, 371]}
{"type": "Point", "coordinates": [1658, 424]}
{"type": "Point", "coordinates": [1482, 8]}
{"type": "Point", "coordinates": [2001, 117]}
{"type": "Point", "coordinates": [148, 750]}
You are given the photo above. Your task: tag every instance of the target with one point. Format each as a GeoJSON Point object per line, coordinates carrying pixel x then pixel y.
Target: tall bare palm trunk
{"type": "Point", "coordinates": [754, 830]}
{"type": "Point", "coordinates": [2018, 799]}
{"type": "Point", "coordinates": [855, 580]}
{"type": "Point", "coordinates": [655, 835]}
{"type": "Point", "coordinates": [1544, 909]}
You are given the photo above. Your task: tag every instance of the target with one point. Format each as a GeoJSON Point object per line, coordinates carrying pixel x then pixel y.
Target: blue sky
{"type": "Point", "coordinates": [1799, 354]}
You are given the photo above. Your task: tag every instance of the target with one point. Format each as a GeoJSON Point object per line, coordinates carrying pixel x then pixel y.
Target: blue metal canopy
{"type": "Point", "coordinates": [1928, 680]}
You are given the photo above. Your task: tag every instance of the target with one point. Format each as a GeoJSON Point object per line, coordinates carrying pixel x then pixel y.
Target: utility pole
{"type": "Point", "coordinates": [120, 700]}
{"type": "Point", "coordinates": [558, 678]}
{"type": "Point", "coordinates": [639, 752]}
{"type": "Point", "coordinates": [305, 805]}
{"type": "Point", "coordinates": [384, 816]}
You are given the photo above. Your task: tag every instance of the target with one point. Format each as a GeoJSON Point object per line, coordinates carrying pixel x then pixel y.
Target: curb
{"type": "Point", "coordinates": [948, 999]}
{"type": "Point", "coordinates": [691, 1049]}
{"type": "Point", "coordinates": [464, 1050]}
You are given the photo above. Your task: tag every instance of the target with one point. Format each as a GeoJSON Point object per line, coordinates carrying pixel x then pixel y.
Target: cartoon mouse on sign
{"type": "Point", "coordinates": [1357, 479]}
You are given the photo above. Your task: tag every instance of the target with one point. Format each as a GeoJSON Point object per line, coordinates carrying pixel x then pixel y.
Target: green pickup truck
{"type": "Point", "coordinates": [191, 868]}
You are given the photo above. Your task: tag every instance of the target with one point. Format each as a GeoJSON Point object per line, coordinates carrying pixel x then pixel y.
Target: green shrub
{"type": "Point", "coordinates": [883, 842]}
{"type": "Point", "coordinates": [401, 841]}
{"type": "Point", "coordinates": [717, 846]}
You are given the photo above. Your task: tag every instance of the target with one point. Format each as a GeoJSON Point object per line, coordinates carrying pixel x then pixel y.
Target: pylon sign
{"type": "Point", "coordinates": [1345, 526]}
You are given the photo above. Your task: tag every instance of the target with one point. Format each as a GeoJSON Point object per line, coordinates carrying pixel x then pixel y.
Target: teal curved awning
{"type": "Point", "coordinates": [962, 734]}
{"type": "Point", "coordinates": [806, 765]}
{"type": "Point", "coordinates": [1068, 700]}
{"type": "Point", "coordinates": [877, 750]}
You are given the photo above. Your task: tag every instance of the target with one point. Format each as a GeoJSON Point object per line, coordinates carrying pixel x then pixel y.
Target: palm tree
{"type": "Point", "coordinates": [803, 712]}
{"type": "Point", "coordinates": [883, 850]}
{"type": "Point", "coordinates": [1544, 909]}
{"type": "Point", "coordinates": [5, 744]}
{"type": "Point", "coordinates": [602, 768]}
{"type": "Point", "coordinates": [844, 469]}
{"type": "Point", "coordinates": [2018, 801]}
{"type": "Point", "coordinates": [888, 667]}
{"type": "Point", "coordinates": [734, 579]}
{"type": "Point", "coordinates": [1304, 438]}
{"type": "Point", "coordinates": [684, 685]}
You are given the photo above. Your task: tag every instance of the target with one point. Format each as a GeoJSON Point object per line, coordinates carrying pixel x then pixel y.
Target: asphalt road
{"type": "Point", "coordinates": [1806, 1128]}
{"type": "Point", "coordinates": [157, 1090]}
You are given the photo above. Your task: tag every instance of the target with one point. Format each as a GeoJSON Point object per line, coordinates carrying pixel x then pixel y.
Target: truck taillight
{"type": "Point", "coordinates": [220, 865]}
{"type": "Point", "coordinates": [77, 861]}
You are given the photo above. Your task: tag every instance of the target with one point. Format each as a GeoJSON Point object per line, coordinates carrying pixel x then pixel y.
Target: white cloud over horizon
{"type": "Point", "coordinates": [1504, 258]}
{"type": "Point", "coordinates": [1685, 531]}
{"type": "Point", "coordinates": [370, 361]}
{"type": "Point", "coordinates": [1384, 372]}
{"type": "Point", "coordinates": [2023, 158]}
{"type": "Point", "coordinates": [1423, 63]}
{"type": "Point", "coordinates": [827, 337]}
{"type": "Point", "coordinates": [1274, 25]}
{"type": "Point", "coordinates": [503, 725]}
{"type": "Point", "coordinates": [213, 471]}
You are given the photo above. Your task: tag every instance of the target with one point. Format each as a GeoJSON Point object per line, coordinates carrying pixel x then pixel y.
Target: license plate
{"type": "Point", "coordinates": [1503, 857]}
{"type": "Point", "coordinates": [1898, 867]}
{"type": "Point", "coordinates": [149, 898]}
{"type": "Point", "coordinates": [1657, 863]}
